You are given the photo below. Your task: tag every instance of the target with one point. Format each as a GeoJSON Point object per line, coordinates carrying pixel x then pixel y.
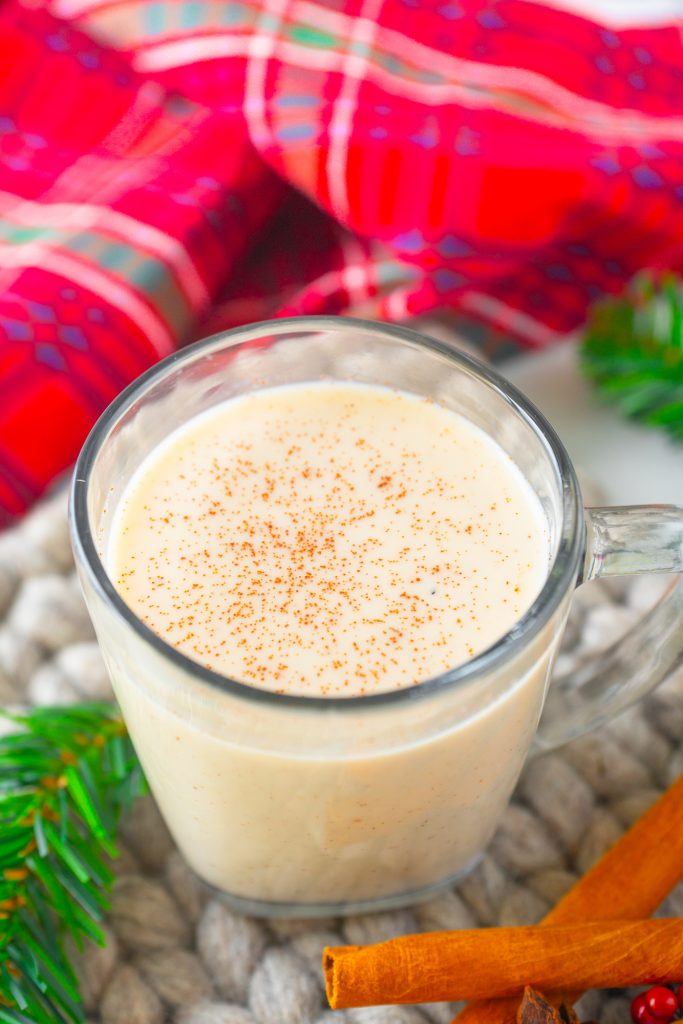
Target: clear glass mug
{"type": "Point", "coordinates": [303, 806]}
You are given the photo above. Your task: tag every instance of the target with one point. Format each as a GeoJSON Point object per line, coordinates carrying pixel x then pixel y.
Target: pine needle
{"type": "Point", "coordinates": [633, 351]}
{"type": "Point", "coordinates": [66, 776]}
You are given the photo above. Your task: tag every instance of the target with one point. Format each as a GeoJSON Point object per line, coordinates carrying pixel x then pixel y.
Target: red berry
{"type": "Point", "coordinates": [680, 998]}
{"type": "Point", "coordinates": [641, 1013]}
{"type": "Point", "coordinates": [661, 1002]}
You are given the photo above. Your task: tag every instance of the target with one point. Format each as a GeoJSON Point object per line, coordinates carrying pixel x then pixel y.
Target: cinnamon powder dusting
{"type": "Point", "coordinates": [329, 539]}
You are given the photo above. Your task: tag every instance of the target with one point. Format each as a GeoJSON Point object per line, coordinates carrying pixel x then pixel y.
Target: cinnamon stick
{"type": "Point", "coordinates": [627, 884]}
{"type": "Point", "coordinates": [499, 962]}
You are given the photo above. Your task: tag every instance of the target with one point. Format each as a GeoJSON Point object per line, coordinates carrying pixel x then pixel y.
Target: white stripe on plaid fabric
{"type": "Point", "coordinates": [191, 49]}
{"type": "Point", "coordinates": [590, 117]}
{"type": "Point", "coordinates": [527, 83]}
{"type": "Point", "coordinates": [396, 305]}
{"type": "Point", "coordinates": [360, 40]}
{"type": "Point", "coordinates": [261, 46]}
{"type": "Point", "coordinates": [358, 274]}
{"type": "Point", "coordinates": [33, 254]}
{"type": "Point", "coordinates": [460, 69]}
{"type": "Point", "coordinates": [76, 215]}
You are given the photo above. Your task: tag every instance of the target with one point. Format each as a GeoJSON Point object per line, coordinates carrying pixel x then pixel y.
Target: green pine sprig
{"type": "Point", "coordinates": [66, 775]}
{"type": "Point", "coordinates": [633, 350]}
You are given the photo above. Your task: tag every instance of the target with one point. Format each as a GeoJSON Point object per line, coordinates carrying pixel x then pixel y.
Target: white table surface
{"type": "Point", "coordinates": [631, 464]}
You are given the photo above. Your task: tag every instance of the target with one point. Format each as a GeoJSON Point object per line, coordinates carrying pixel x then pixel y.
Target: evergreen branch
{"type": "Point", "coordinates": [66, 775]}
{"type": "Point", "coordinates": [633, 350]}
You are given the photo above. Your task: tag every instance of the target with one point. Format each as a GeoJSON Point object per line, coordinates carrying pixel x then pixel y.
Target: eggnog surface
{"type": "Point", "coordinates": [328, 540]}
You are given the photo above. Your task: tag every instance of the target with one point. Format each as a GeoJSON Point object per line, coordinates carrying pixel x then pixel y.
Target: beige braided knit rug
{"type": "Point", "coordinates": [177, 955]}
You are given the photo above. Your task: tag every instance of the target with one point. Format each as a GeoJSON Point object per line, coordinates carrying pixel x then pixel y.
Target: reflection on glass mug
{"type": "Point", "coordinates": [329, 563]}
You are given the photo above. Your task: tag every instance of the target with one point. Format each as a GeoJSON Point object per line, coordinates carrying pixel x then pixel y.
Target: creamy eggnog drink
{"type": "Point", "coordinates": [329, 563]}
{"type": "Point", "coordinates": [329, 540]}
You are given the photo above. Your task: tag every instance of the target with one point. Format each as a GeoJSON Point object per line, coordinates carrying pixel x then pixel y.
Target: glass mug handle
{"type": "Point", "coordinates": [621, 541]}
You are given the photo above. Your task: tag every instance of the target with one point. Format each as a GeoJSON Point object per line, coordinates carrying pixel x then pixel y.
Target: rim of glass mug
{"type": "Point", "coordinates": [561, 573]}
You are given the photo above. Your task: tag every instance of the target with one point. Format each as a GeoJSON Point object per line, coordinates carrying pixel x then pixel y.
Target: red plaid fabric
{"type": "Point", "coordinates": [171, 167]}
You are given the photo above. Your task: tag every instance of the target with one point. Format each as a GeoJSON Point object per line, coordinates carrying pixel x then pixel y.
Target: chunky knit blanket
{"type": "Point", "coordinates": [177, 956]}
